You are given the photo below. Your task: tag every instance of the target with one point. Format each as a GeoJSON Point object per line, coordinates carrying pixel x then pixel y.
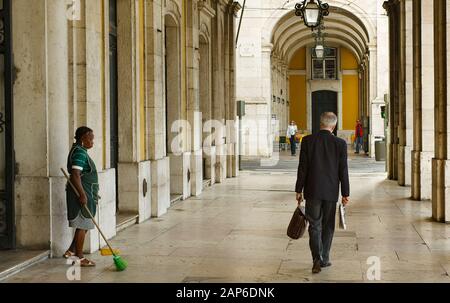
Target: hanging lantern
{"type": "Point", "coordinates": [312, 12]}
{"type": "Point", "coordinates": [320, 51]}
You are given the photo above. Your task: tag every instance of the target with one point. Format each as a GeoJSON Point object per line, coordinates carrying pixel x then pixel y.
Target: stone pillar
{"type": "Point", "coordinates": [441, 167]}
{"type": "Point", "coordinates": [401, 92]}
{"type": "Point", "coordinates": [219, 92]}
{"type": "Point", "coordinates": [416, 154]}
{"type": "Point", "coordinates": [427, 99]}
{"type": "Point", "coordinates": [155, 111]}
{"type": "Point", "coordinates": [394, 88]}
{"type": "Point", "coordinates": [408, 90]}
{"type": "Point", "coordinates": [58, 121]}
{"type": "Point", "coordinates": [32, 187]}
{"type": "Point", "coordinates": [233, 157]}
{"type": "Point", "coordinates": [377, 122]}
{"type": "Point", "coordinates": [194, 179]}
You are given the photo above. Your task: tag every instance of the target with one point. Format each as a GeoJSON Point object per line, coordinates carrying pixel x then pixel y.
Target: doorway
{"type": "Point", "coordinates": [323, 101]}
{"type": "Point", "coordinates": [7, 161]}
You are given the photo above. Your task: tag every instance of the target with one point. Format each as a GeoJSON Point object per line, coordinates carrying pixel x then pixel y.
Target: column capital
{"type": "Point", "coordinates": [389, 5]}
{"type": "Point", "coordinates": [267, 47]}
{"type": "Point", "coordinates": [203, 6]}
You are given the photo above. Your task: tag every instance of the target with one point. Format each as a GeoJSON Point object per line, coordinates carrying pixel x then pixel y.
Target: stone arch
{"type": "Point", "coordinates": [172, 8]}
{"type": "Point", "coordinates": [352, 11]}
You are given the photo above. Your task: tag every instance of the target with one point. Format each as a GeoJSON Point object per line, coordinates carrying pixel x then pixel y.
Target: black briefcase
{"type": "Point", "coordinates": [298, 224]}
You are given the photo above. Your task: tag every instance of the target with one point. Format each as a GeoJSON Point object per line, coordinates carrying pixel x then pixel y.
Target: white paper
{"type": "Point", "coordinates": [342, 223]}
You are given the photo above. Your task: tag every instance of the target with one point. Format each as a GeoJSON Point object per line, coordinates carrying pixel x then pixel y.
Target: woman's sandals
{"type": "Point", "coordinates": [83, 261]}
{"type": "Point", "coordinates": [86, 263]}
{"type": "Point", "coordinates": [68, 254]}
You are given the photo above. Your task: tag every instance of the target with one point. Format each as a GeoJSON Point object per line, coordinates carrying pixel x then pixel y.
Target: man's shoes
{"type": "Point", "coordinates": [325, 264]}
{"type": "Point", "coordinates": [316, 267]}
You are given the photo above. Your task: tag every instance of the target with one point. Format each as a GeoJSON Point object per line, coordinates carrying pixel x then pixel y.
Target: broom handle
{"type": "Point", "coordinates": [89, 212]}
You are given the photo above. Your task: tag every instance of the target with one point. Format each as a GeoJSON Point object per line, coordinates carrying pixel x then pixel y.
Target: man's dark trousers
{"type": "Point", "coordinates": [321, 216]}
{"type": "Point", "coordinates": [293, 146]}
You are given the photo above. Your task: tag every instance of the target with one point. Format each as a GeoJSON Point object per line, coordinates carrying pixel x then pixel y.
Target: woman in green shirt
{"type": "Point", "coordinates": [83, 175]}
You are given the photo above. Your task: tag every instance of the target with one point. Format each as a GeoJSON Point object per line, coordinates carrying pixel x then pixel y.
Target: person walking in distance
{"type": "Point", "coordinates": [359, 133]}
{"type": "Point", "coordinates": [323, 166]}
{"type": "Point", "coordinates": [291, 132]}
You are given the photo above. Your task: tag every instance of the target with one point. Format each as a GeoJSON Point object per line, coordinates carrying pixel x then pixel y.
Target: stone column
{"type": "Point", "coordinates": [417, 101]}
{"type": "Point", "coordinates": [58, 121]}
{"type": "Point", "coordinates": [440, 168]}
{"type": "Point", "coordinates": [427, 99]}
{"type": "Point", "coordinates": [155, 113]}
{"type": "Point", "coordinates": [233, 157]}
{"type": "Point", "coordinates": [408, 90]}
{"type": "Point", "coordinates": [392, 9]}
{"type": "Point", "coordinates": [219, 91]}
{"type": "Point", "coordinates": [194, 179]}
{"type": "Point", "coordinates": [401, 92]}
{"type": "Point", "coordinates": [263, 109]}
{"type": "Point", "coordinates": [32, 187]}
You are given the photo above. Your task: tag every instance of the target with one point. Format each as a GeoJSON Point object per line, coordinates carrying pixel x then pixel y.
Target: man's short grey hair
{"type": "Point", "coordinates": [328, 119]}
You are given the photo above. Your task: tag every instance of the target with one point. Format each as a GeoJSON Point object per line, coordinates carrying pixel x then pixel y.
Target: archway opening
{"type": "Point", "coordinates": [173, 102]}
{"type": "Point", "coordinates": [172, 79]}
{"type": "Point", "coordinates": [205, 98]}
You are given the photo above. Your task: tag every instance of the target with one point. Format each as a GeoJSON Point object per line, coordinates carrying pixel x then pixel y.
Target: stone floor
{"type": "Point", "coordinates": [236, 232]}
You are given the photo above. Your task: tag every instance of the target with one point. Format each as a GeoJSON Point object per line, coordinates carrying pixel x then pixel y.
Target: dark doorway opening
{"type": "Point", "coordinates": [113, 87]}
{"type": "Point", "coordinates": [7, 161]}
{"type": "Point", "coordinates": [323, 101]}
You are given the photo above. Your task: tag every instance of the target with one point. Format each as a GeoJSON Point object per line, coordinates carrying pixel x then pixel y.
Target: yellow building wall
{"type": "Point", "coordinates": [298, 62]}
{"type": "Point", "coordinates": [348, 60]}
{"type": "Point", "coordinates": [297, 90]}
{"type": "Point", "coordinates": [297, 99]}
{"type": "Point", "coordinates": [350, 90]}
{"type": "Point", "coordinates": [350, 104]}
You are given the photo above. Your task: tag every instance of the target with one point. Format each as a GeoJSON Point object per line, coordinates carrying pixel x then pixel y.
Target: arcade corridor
{"type": "Point", "coordinates": [236, 232]}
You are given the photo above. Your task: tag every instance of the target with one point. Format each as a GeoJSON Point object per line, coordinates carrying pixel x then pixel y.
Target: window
{"type": "Point", "coordinates": [325, 68]}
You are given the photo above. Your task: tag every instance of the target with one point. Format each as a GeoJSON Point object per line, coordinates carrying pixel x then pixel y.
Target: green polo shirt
{"type": "Point", "coordinates": [79, 159]}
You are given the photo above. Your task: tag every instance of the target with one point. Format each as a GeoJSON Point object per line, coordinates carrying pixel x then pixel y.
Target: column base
{"type": "Point", "coordinates": [160, 192]}
{"type": "Point", "coordinates": [441, 190]}
{"type": "Point", "coordinates": [132, 198]}
{"type": "Point", "coordinates": [221, 163]}
{"type": "Point", "coordinates": [401, 165]}
{"type": "Point", "coordinates": [209, 156]}
{"type": "Point", "coordinates": [426, 175]}
{"type": "Point", "coordinates": [197, 172]}
{"type": "Point", "coordinates": [408, 165]}
{"type": "Point", "coordinates": [180, 174]}
{"type": "Point", "coordinates": [415, 175]}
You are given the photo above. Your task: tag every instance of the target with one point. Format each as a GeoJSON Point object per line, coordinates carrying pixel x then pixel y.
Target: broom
{"type": "Point", "coordinates": [120, 263]}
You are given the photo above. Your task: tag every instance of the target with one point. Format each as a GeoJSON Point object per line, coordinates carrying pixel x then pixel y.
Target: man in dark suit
{"type": "Point", "coordinates": [323, 166]}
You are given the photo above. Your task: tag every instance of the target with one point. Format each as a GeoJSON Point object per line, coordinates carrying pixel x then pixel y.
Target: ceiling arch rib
{"type": "Point", "coordinates": [305, 42]}
{"type": "Point", "coordinates": [295, 22]}
{"type": "Point", "coordinates": [351, 12]}
{"type": "Point", "coordinates": [347, 36]}
{"type": "Point", "coordinates": [341, 27]}
{"type": "Point", "coordinates": [331, 24]}
{"type": "Point", "coordinates": [281, 45]}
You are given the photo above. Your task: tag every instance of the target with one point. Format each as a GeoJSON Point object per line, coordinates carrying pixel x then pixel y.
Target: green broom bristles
{"type": "Point", "coordinates": [120, 263]}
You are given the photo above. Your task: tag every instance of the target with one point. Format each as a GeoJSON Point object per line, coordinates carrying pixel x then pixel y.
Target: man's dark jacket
{"type": "Point", "coordinates": [323, 165]}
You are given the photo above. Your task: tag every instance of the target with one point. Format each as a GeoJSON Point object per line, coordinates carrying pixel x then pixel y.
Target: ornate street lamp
{"type": "Point", "coordinates": [312, 12]}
